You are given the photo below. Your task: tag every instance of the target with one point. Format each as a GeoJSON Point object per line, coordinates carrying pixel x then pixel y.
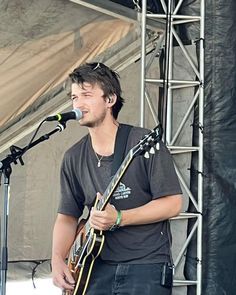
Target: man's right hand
{"type": "Point", "coordinates": [62, 276]}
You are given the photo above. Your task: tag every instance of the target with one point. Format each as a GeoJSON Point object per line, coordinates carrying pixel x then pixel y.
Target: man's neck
{"type": "Point", "coordinates": [103, 138]}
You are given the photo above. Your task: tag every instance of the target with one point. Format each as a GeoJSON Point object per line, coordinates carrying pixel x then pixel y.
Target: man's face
{"type": "Point", "coordinates": [89, 99]}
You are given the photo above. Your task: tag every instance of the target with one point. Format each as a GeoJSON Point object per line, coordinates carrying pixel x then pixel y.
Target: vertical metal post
{"type": "Point", "coordinates": [169, 66]}
{"type": "Point", "coordinates": [4, 230]}
{"type": "Point", "coordinates": [143, 63]}
{"type": "Point", "coordinates": [200, 160]}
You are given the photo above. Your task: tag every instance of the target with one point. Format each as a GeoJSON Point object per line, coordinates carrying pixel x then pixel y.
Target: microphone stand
{"type": "Point", "coordinates": [6, 170]}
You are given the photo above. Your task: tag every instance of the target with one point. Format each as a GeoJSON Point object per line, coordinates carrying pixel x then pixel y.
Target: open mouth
{"type": "Point", "coordinates": [84, 113]}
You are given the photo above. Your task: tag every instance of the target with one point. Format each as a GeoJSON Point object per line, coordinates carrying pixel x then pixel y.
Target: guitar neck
{"type": "Point", "coordinates": [114, 182]}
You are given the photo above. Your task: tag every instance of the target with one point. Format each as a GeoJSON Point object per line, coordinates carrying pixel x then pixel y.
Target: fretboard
{"type": "Point", "coordinates": [114, 182]}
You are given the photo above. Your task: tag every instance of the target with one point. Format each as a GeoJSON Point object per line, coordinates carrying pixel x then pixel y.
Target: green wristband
{"type": "Point", "coordinates": [118, 221]}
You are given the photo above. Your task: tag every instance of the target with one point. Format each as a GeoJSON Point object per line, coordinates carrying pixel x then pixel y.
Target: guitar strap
{"type": "Point", "coordinates": [120, 145]}
{"type": "Point", "coordinates": [119, 151]}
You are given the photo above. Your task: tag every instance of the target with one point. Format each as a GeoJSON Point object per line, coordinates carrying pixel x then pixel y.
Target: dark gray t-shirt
{"type": "Point", "coordinates": [144, 180]}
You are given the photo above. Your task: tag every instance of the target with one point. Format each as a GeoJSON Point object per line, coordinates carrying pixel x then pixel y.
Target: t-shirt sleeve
{"type": "Point", "coordinates": [162, 174]}
{"type": "Point", "coordinates": [71, 197]}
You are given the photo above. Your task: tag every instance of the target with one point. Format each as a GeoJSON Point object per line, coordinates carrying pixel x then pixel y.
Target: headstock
{"type": "Point", "coordinates": [148, 143]}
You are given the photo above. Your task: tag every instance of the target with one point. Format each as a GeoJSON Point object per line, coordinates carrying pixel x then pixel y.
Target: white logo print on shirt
{"type": "Point", "coordinates": [122, 192]}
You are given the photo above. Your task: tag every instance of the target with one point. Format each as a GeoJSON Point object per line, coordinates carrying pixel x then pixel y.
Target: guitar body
{"type": "Point", "coordinates": [82, 257]}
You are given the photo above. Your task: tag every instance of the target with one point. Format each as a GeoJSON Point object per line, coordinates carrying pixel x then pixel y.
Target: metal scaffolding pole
{"type": "Point", "coordinates": [169, 83]}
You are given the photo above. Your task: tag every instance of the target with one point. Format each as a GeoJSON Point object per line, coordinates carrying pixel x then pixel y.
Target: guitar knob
{"type": "Point", "coordinates": [146, 155]}
{"type": "Point", "coordinates": [152, 151]}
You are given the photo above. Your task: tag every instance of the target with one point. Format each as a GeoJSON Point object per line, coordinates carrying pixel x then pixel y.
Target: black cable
{"type": "Point", "coordinates": [33, 137]}
{"type": "Point", "coordinates": [34, 271]}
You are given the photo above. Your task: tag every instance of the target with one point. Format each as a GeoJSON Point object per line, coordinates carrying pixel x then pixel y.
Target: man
{"type": "Point", "coordinates": [133, 255]}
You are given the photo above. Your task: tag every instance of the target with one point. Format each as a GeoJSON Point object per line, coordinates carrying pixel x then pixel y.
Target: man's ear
{"type": "Point", "coordinates": [112, 99]}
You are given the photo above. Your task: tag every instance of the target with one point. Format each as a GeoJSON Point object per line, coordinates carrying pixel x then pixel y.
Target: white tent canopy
{"type": "Point", "coordinates": [47, 40]}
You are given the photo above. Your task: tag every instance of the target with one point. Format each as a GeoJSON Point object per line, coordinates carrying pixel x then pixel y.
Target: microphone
{"type": "Point", "coordinates": [75, 114]}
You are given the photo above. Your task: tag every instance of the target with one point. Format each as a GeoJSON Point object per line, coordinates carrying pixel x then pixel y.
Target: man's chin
{"type": "Point", "coordinates": [86, 124]}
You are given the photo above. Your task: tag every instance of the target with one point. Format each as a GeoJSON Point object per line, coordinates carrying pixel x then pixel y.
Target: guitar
{"type": "Point", "coordinates": [89, 242]}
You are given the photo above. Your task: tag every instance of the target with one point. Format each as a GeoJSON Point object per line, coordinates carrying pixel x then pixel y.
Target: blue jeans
{"type": "Point", "coordinates": [126, 279]}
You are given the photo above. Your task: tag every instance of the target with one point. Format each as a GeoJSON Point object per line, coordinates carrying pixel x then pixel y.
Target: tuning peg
{"type": "Point", "coordinates": [158, 146]}
{"type": "Point", "coordinates": [146, 155]}
{"type": "Point", "coordinates": [152, 151]}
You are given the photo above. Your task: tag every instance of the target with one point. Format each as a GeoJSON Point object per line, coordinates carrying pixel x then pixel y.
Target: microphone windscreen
{"type": "Point", "coordinates": [78, 114]}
